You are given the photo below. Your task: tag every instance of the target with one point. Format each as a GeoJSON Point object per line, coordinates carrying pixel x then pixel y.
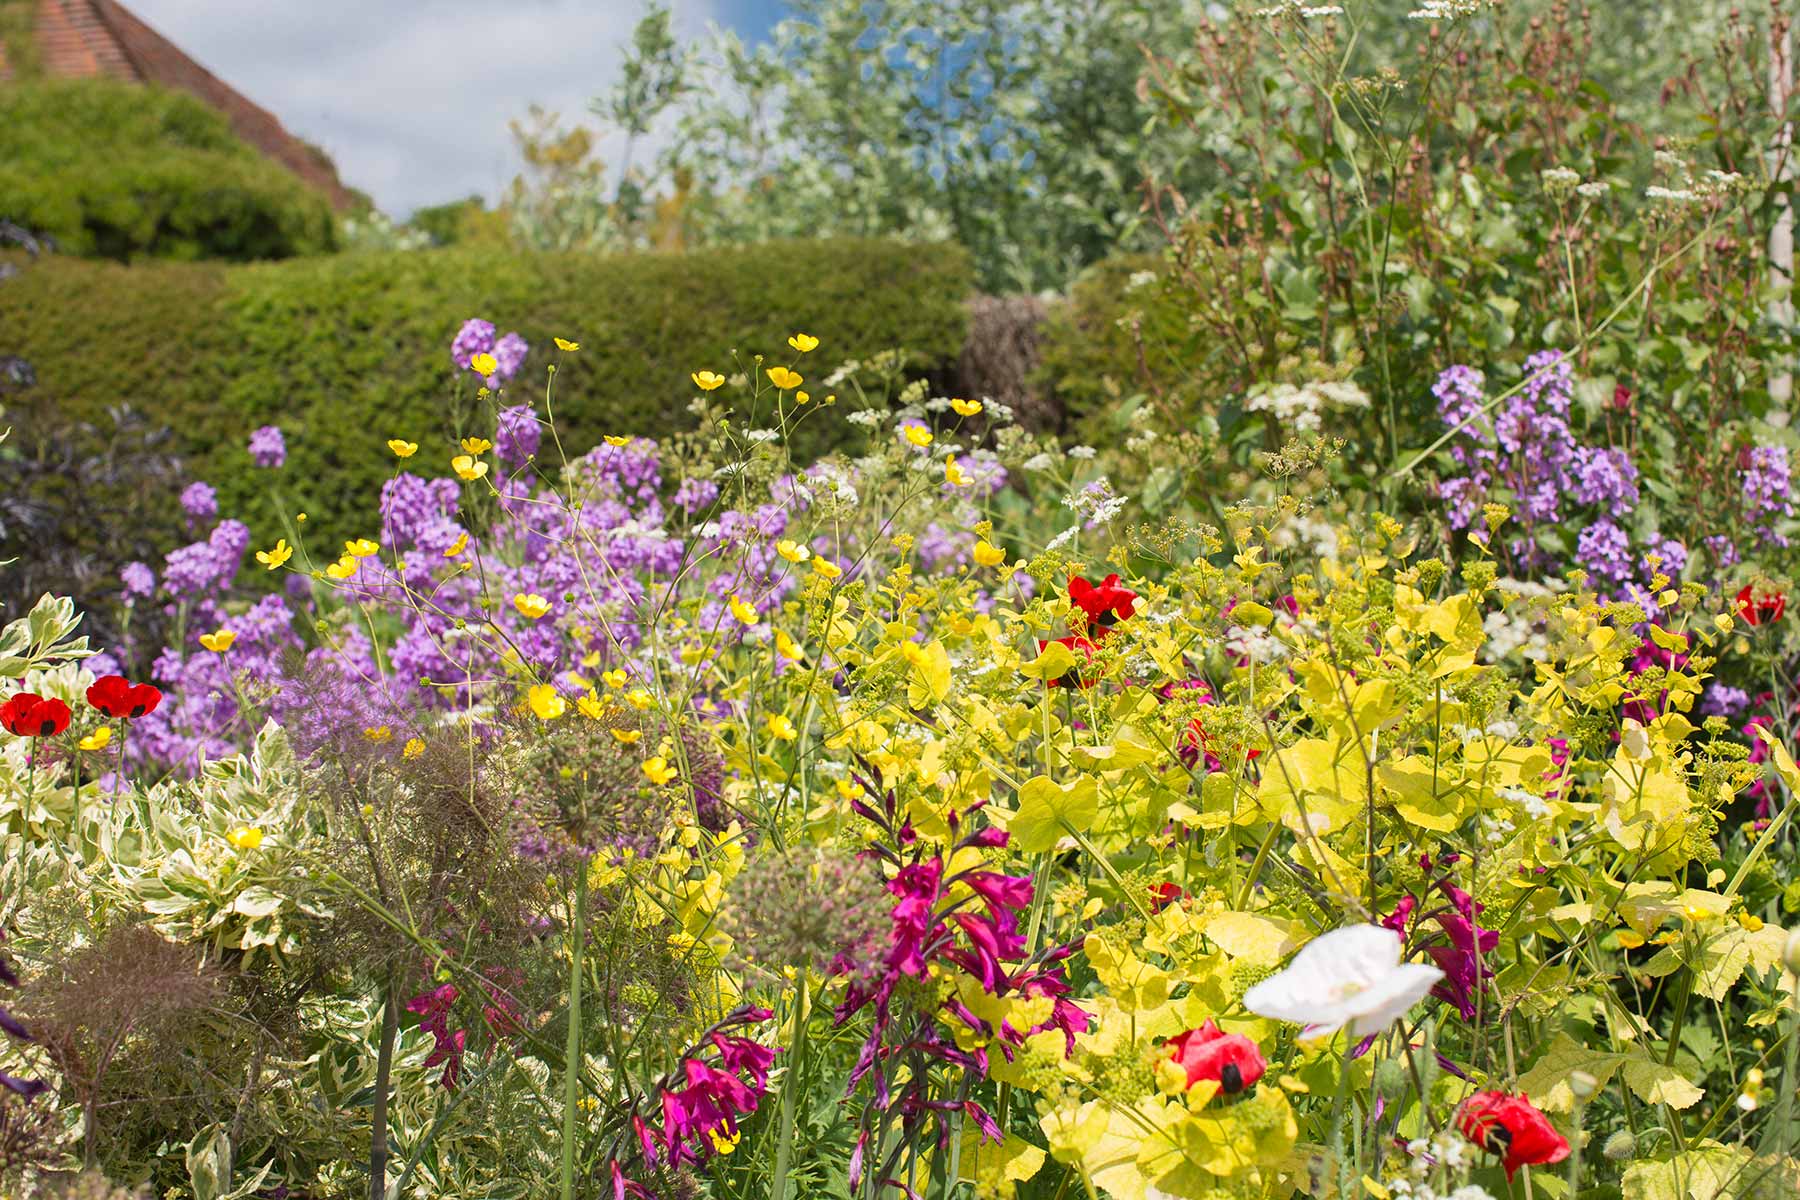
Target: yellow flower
{"type": "Point", "coordinates": [413, 749]}
{"type": "Point", "coordinates": [614, 678]}
{"type": "Point", "coordinates": [639, 699]}
{"type": "Point", "coordinates": [96, 740]}
{"type": "Point", "coordinates": [965, 408]}
{"type": "Point", "coordinates": [531, 605]}
{"type": "Point", "coordinates": [849, 789]}
{"type": "Point", "coordinates": [988, 555]}
{"type": "Point", "coordinates": [628, 736]}
{"type": "Point", "coordinates": [546, 703]}
{"type": "Point", "coordinates": [299, 518]}
{"type": "Point", "coordinates": [218, 642]}
{"type": "Point", "coordinates": [724, 1143]}
{"type": "Point", "coordinates": [1630, 939]}
{"type": "Point", "coordinates": [954, 475]}
{"type": "Point", "coordinates": [786, 646]}
{"type": "Point", "coordinates": [361, 548]}
{"type": "Point", "coordinates": [379, 734]}
{"type": "Point", "coordinates": [781, 727]}
{"type": "Point", "coordinates": [918, 435]}
{"type": "Point", "coordinates": [791, 550]}
{"type": "Point", "coordinates": [245, 837]}
{"type": "Point", "coordinates": [591, 706]}
{"type": "Point", "coordinates": [343, 568]}
{"type": "Point", "coordinates": [567, 347]}
{"type": "Point", "coordinates": [468, 468]}
{"type": "Point", "coordinates": [743, 612]}
{"type": "Point", "coordinates": [592, 658]}
{"type": "Point", "coordinates": [458, 546]}
{"type": "Point", "coordinates": [274, 558]}
{"type": "Point", "coordinates": [827, 568]}
{"type": "Point", "coordinates": [706, 381]}
{"type": "Point", "coordinates": [483, 364]}
{"type": "Point", "coordinates": [658, 770]}
{"type": "Point", "coordinates": [476, 445]}
{"type": "Point", "coordinates": [805, 343]}
{"type": "Point", "coordinates": [403, 449]}
{"type": "Point", "coordinates": [784, 379]}
{"type": "Point", "coordinates": [613, 439]}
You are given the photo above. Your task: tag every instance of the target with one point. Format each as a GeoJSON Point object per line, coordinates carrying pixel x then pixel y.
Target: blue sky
{"type": "Point", "coordinates": [412, 97]}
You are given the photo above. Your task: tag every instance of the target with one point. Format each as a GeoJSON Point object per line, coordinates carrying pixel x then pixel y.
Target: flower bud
{"type": "Point", "coordinates": [1790, 952]}
{"type": "Point", "coordinates": [1620, 1147]}
{"type": "Point", "coordinates": [1391, 1080]}
{"type": "Point", "coordinates": [1583, 1085]}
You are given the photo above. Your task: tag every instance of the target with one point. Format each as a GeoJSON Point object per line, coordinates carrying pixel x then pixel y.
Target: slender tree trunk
{"type": "Point", "coordinates": [1781, 237]}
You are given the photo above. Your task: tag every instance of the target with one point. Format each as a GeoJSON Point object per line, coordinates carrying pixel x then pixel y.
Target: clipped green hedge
{"type": "Point", "coordinates": [122, 171]}
{"type": "Point", "coordinates": [344, 352]}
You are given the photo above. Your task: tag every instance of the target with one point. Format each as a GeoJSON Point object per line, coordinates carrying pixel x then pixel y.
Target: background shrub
{"type": "Point", "coordinates": [344, 352]}
{"type": "Point", "coordinates": [118, 170]}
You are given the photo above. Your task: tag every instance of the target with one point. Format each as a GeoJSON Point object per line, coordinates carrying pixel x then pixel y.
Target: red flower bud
{"type": "Point", "coordinates": [1229, 1059]}
{"type": "Point", "coordinates": [1510, 1126]}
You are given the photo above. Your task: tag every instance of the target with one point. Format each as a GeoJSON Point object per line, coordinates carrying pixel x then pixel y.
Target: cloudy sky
{"type": "Point", "coordinates": [412, 97]}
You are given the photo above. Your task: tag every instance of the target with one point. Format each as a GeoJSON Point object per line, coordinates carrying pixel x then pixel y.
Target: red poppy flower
{"type": "Point", "coordinates": [1164, 894]}
{"type": "Point", "coordinates": [1511, 1127]}
{"type": "Point", "coordinates": [1105, 603]}
{"type": "Point", "coordinates": [1073, 676]}
{"type": "Point", "coordinates": [1761, 607]}
{"type": "Point", "coordinates": [30, 715]}
{"type": "Point", "coordinates": [117, 696]}
{"type": "Point", "coordinates": [1229, 1059]}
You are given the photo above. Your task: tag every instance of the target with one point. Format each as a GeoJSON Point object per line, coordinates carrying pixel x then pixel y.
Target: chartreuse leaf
{"type": "Point", "coordinates": [1420, 793]}
{"type": "Point", "coordinates": [1053, 662]}
{"type": "Point", "coordinates": [1712, 1172]}
{"type": "Point", "coordinates": [1653, 1082]}
{"type": "Point", "coordinates": [997, 1168]}
{"type": "Point", "coordinates": [1047, 811]}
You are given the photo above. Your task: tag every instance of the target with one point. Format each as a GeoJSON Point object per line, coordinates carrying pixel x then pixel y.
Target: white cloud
{"type": "Point", "coordinates": [410, 98]}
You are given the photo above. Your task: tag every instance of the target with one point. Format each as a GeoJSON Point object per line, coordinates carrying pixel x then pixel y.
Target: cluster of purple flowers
{"type": "Point", "coordinates": [268, 448]}
{"type": "Point", "coordinates": [1768, 496]}
{"type": "Point", "coordinates": [477, 337]}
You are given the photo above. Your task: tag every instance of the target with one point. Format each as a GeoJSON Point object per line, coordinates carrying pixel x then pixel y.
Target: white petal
{"type": "Point", "coordinates": [1390, 998]}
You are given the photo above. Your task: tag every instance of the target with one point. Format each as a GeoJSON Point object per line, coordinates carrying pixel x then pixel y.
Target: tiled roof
{"type": "Point", "coordinates": [78, 39]}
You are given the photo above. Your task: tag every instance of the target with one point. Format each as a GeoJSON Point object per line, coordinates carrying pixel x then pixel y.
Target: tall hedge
{"type": "Point", "coordinates": [344, 352]}
{"type": "Point", "coordinates": [119, 170]}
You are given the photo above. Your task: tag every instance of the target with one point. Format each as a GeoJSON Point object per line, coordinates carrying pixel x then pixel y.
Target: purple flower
{"type": "Point", "coordinates": [1606, 476]}
{"type": "Point", "coordinates": [200, 502]}
{"type": "Point", "coordinates": [268, 447]}
{"type": "Point", "coordinates": [1767, 481]}
{"type": "Point", "coordinates": [516, 434]}
{"type": "Point", "coordinates": [1723, 700]}
{"type": "Point", "coordinates": [695, 495]}
{"type": "Point", "coordinates": [475, 337]}
{"type": "Point", "coordinates": [139, 580]}
{"type": "Point", "coordinates": [1673, 554]}
{"type": "Point", "coordinates": [1604, 551]}
{"type": "Point", "coordinates": [509, 352]}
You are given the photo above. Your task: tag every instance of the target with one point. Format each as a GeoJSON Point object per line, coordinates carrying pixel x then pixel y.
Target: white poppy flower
{"type": "Point", "coordinates": [1351, 976]}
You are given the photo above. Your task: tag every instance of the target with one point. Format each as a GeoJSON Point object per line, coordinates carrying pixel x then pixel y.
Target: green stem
{"type": "Point", "coordinates": [790, 1093]}
{"type": "Point", "coordinates": [572, 1055]}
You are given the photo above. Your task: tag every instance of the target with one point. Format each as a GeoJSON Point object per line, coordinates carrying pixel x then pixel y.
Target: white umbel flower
{"type": "Point", "coordinates": [1351, 976]}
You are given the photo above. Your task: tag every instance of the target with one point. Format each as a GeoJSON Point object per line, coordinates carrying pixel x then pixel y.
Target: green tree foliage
{"type": "Point", "coordinates": [116, 170]}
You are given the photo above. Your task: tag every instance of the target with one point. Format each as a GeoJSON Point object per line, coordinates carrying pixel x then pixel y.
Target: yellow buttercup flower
{"type": "Point", "coordinates": [468, 468]}
{"type": "Point", "coordinates": [743, 612]}
{"type": "Point", "coordinates": [849, 789]}
{"type": "Point", "coordinates": [96, 740]}
{"type": "Point", "coordinates": [784, 379]}
{"type": "Point", "coordinates": [343, 568]}
{"type": "Point", "coordinates": [965, 408]}
{"type": "Point", "coordinates": [403, 449]}
{"type": "Point", "coordinates": [614, 678]}
{"type": "Point", "coordinates": [918, 435]}
{"type": "Point", "coordinates": [615, 440]}
{"type": "Point", "coordinates": [724, 1143]}
{"type": "Point", "coordinates": [791, 550]}
{"type": "Point", "coordinates": [245, 837]}
{"type": "Point", "coordinates": [483, 364]}
{"type": "Point", "coordinates": [802, 398]}
{"type": "Point", "coordinates": [379, 734]}
{"type": "Point", "coordinates": [781, 727]}
{"type": "Point", "coordinates": [954, 475]}
{"type": "Point", "coordinates": [413, 749]}
{"type": "Point", "coordinates": [639, 699]}
{"type": "Point", "coordinates": [658, 770]}
{"type": "Point", "coordinates": [805, 343]}
{"type": "Point", "coordinates": [531, 605]}
{"type": "Point", "coordinates": [476, 445]}
{"type": "Point", "coordinates": [591, 659]}
{"type": "Point", "coordinates": [218, 642]}
{"type": "Point", "coordinates": [628, 736]}
{"type": "Point", "coordinates": [590, 705]}
{"type": "Point", "coordinates": [361, 548]}
{"type": "Point", "coordinates": [827, 568]}
{"type": "Point", "coordinates": [567, 347]}
{"type": "Point", "coordinates": [988, 555]}
{"type": "Point", "coordinates": [546, 703]}
{"type": "Point", "coordinates": [459, 545]}
{"type": "Point", "coordinates": [706, 381]}
{"type": "Point", "coordinates": [786, 646]}
{"type": "Point", "coordinates": [274, 558]}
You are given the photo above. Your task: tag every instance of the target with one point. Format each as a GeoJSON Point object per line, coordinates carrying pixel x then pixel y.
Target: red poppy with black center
{"type": "Point", "coordinates": [28, 714]}
{"type": "Point", "coordinates": [1229, 1059]}
{"type": "Point", "coordinates": [1105, 603]}
{"type": "Point", "coordinates": [1073, 676]}
{"type": "Point", "coordinates": [1164, 894]}
{"type": "Point", "coordinates": [1513, 1128]}
{"type": "Point", "coordinates": [1760, 606]}
{"type": "Point", "coordinates": [117, 696]}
